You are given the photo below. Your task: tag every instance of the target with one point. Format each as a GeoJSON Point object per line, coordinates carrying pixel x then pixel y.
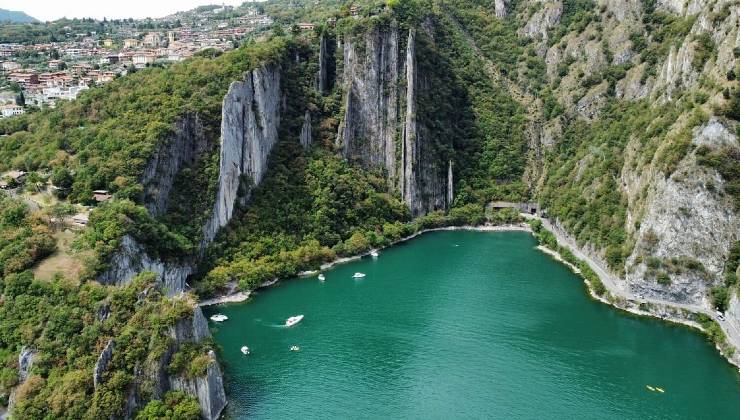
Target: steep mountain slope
{"type": "Point", "coordinates": [639, 141]}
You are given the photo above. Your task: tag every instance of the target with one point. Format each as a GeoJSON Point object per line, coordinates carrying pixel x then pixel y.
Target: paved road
{"type": "Point", "coordinates": [729, 325]}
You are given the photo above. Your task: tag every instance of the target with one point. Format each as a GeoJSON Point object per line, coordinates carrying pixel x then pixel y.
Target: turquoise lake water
{"type": "Point", "coordinates": [462, 325]}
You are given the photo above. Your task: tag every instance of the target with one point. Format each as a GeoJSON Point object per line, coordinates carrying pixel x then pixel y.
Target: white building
{"type": "Point", "coordinates": [11, 110]}
{"type": "Point", "coordinates": [11, 65]}
{"type": "Point", "coordinates": [140, 60]}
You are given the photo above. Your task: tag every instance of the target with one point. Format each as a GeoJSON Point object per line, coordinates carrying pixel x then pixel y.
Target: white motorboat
{"type": "Point", "coordinates": [245, 350]}
{"type": "Point", "coordinates": [322, 277]}
{"type": "Point", "coordinates": [358, 275]}
{"type": "Point", "coordinates": [219, 318]}
{"type": "Point", "coordinates": [295, 348]}
{"type": "Point", "coordinates": [374, 253]}
{"type": "Point", "coordinates": [293, 320]}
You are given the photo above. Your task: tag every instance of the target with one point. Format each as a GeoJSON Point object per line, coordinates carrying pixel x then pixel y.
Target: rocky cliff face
{"type": "Point", "coordinates": [25, 363]}
{"type": "Point", "coordinates": [249, 127]}
{"type": "Point", "coordinates": [249, 130]}
{"type": "Point", "coordinates": [132, 259]}
{"type": "Point", "coordinates": [683, 223]}
{"type": "Point", "coordinates": [183, 148]}
{"type": "Point", "coordinates": [327, 65]}
{"type": "Point", "coordinates": [305, 137]}
{"type": "Point", "coordinates": [687, 216]}
{"type": "Point", "coordinates": [381, 129]}
{"type": "Point", "coordinates": [424, 182]}
{"type": "Point", "coordinates": [499, 8]}
{"type": "Point", "coordinates": [102, 363]}
{"type": "Point", "coordinates": [370, 127]}
{"type": "Point", "coordinates": [208, 388]}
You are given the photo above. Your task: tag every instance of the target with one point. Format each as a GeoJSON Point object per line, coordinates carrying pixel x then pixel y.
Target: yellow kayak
{"type": "Point", "coordinates": [661, 390]}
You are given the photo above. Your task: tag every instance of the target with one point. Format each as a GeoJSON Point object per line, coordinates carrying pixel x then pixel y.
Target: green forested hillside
{"type": "Point", "coordinates": [15, 17]}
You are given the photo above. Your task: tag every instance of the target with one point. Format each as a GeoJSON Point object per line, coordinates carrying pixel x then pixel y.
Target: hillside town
{"type": "Point", "coordinates": [41, 74]}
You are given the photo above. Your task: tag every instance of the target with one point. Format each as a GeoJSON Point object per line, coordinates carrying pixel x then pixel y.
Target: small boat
{"type": "Point", "coordinates": [245, 350]}
{"type": "Point", "coordinates": [322, 277]}
{"type": "Point", "coordinates": [295, 348]}
{"type": "Point", "coordinates": [650, 387]}
{"type": "Point", "coordinates": [374, 253]}
{"type": "Point", "coordinates": [219, 318]}
{"type": "Point", "coordinates": [358, 275]}
{"type": "Point", "coordinates": [659, 389]}
{"type": "Point", "coordinates": [293, 320]}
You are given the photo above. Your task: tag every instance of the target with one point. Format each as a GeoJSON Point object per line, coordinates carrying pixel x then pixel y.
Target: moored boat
{"type": "Point", "coordinates": [219, 318]}
{"type": "Point", "coordinates": [358, 275]}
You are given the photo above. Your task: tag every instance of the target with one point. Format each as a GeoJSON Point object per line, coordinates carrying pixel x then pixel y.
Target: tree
{"type": "Point", "coordinates": [58, 212]}
{"type": "Point", "coordinates": [63, 180]}
{"type": "Point", "coordinates": [20, 99]}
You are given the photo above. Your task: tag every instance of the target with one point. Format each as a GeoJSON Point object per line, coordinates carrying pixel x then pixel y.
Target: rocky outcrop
{"type": "Point", "coordinates": [682, 7]}
{"type": "Point", "coordinates": [327, 65]}
{"type": "Point", "coordinates": [687, 218]}
{"type": "Point", "coordinates": [209, 388]}
{"type": "Point", "coordinates": [132, 259]}
{"type": "Point", "coordinates": [423, 183]}
{"type": "Point", "coordinates": [25, 363]}
{"type": "Point", "coordinates": [368, 132]}
{"type": "Point", "coordinates": [102, 363]}
{"type": "Point", "coordinates": [182, 148]}
{"type": "Point", "coordinates": [544, 19]}
{"type": "Point", "coordinates": [381, 129]}
{"type": "Point", "coordinates": [305, 137]}
{"type": "Point", "coordinates": [589, 106]}
{"type": "Point", "coordinates": [249, 130]}
{"type": "Point", "coordinates": [499, 8]}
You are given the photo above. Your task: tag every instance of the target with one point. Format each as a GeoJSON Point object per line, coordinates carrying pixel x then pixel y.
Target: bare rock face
{"type": "Point", "coordinates": [249, 130]}
{"type": "Point", "coordinates": [132, 259]}
{"type": "Point", "coordinates": [589, 106]}
{"type": "Point", "coordinates": [305, 137]}
{"type": "Point", "coordinates": [543, 19]}
{"type": "Point", "coordinates": [500, 8]}
{"type": "Point", "coordinates": [423, 184]}
{"type": "Point", "coordinates": [686, 216]}
{"type": "Point", "coordinates": [249, 127]}
{"type": "Point", "coordinates": [733, 309]}
{"type": "Point", "coordinates": [327, 65]}
{"type": "Point", "coordinates": [682, 7]}
{"type": "Point", "coordinates": [25, 363]}
{"type": "Point", "coordinates": [182, 148]}
{"type": "Point", "coordinates": [380, 129]}
{"type": "Point", "coordinates": [102, 363]}
{"type": "Point", "coordinates": [209, 388]}
{"type": "Point", "coordinates": [370, 127]}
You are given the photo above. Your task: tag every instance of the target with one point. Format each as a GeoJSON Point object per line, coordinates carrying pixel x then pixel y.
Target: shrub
{"type": "Point", "coordinates": [720, 297]}
{"type": "Point", "coordinates": [663, 278]}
